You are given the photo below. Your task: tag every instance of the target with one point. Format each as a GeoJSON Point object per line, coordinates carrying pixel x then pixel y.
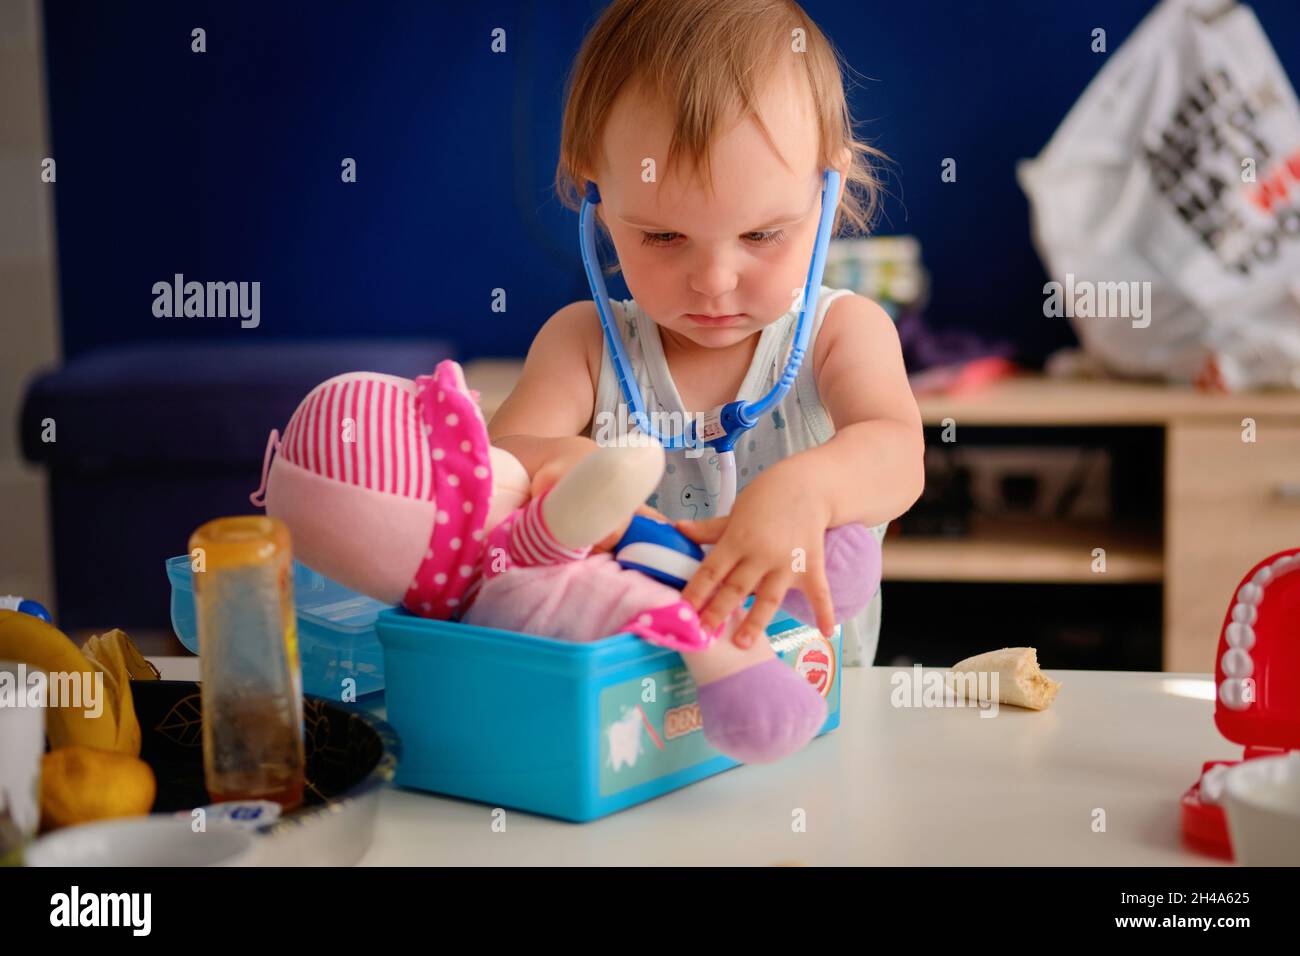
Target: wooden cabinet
{"type": "Point", "coordinates": [1229, 502]}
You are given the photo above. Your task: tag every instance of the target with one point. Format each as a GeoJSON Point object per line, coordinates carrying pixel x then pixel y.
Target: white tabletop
{"type": "Point", "coordinates": [891, 785]}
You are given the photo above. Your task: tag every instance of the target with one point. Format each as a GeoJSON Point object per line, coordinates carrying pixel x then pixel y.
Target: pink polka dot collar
{"type": "Point", "coordinates": [675, 626]}
{"type": "Point", "coordinates": [462, 475]}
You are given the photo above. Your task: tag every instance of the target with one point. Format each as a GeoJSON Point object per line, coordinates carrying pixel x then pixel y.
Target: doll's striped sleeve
{"type": "Point", "coordinates": [523, 540]}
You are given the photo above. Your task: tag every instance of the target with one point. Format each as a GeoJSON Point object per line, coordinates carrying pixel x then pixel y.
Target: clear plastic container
{"type": "Point", "coordinates": [337, 645]}
{"type": "Point", "coordinates": [251, 685]}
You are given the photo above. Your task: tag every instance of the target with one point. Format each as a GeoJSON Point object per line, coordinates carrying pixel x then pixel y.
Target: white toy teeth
{"type": "Point", "coordinates": [1212, 784]}
{"type": "Point", "coordinates": [1236, 692]}
{"type": "Point", "coordinates": [1257, 670]}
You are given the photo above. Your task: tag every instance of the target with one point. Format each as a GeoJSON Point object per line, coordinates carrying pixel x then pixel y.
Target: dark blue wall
{"type": "Point", "coordinates": [225, 166]}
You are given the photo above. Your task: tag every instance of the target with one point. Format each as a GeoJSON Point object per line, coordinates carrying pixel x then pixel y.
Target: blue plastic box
{"type": "Point", "coordinates": [575, 731]}
{"type": "Point", "coordinates": [336, 630]}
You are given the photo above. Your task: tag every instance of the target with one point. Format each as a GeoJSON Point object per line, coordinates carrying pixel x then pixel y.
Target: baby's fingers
{"type": "Point", "coordinates": [818, 592]}
{"type": "Point", "coordinates": [607, 543]}
{"type": "Point", "coordinates": [715, 567]}
{"type": "Point", "coordinates": [708, 531]}
{"type": "Point", "coordinates": [766, 601]}
{"type": "Point", "coordinates": [543, 481]}
{"type": "Point", "coordinates": [654, 513]}
{"type": "Point", "coordinates": [731, 594]}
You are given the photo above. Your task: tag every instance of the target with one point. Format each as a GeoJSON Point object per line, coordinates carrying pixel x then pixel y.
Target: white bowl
{"type": "Point", "coordinates": [158, 840]}
{"type": "Point", "coordinates": [1262, 800]}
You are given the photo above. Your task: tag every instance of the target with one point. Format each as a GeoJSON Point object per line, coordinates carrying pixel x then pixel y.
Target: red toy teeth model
{"type": "Point", "coordinates": [1256, 670]}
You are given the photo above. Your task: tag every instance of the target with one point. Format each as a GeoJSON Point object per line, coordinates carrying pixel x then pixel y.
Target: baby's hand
{"type": "Point", "coordinates": [772, 540]}
{"type": "Point", "coordinates": [607, 544]}
{"type": "Point", "coordinates": [568, 452]}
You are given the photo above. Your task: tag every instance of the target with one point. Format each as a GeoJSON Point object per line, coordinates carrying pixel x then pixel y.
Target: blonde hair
{"type": "Point", "coordinates": [707, 61]}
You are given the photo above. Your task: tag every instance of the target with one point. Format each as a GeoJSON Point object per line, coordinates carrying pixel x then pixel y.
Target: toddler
{"type": "Point", "coordinates": [707, 125]}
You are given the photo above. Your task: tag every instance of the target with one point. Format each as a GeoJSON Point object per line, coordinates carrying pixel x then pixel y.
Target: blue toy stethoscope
{"type": "Point", "coordinates": [647, 544]}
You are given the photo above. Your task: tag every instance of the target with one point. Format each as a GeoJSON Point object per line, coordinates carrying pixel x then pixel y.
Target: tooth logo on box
{"type": "Point", "coordinates": [645, 737]}
{"type": "Point", "coordinates": [816, 663]}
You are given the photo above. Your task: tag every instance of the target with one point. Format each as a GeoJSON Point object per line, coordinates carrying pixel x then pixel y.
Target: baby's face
{"type": "Point", "coordinates": [742, 251]}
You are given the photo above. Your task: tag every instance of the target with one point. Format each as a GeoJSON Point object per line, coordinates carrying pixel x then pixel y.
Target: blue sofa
{"type": "Point", "coordinates": [152, 440]}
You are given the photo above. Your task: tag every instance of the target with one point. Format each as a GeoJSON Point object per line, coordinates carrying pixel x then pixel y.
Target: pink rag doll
{"type": "Point", "coordinates": [391, 488]}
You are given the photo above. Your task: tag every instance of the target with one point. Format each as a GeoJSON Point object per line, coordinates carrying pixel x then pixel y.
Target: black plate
{"type": "Point", "coordinates": [349, 752]}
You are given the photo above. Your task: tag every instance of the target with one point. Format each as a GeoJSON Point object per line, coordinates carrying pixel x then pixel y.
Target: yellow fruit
{"type": "Point", "coordinates": [81, 784]}
{"type": "Point", "coordinates": [116, 646]}
{"type": "Point", "coordinates": [31, 641]}
{"type": "Point", "coordinates": [120, 660]}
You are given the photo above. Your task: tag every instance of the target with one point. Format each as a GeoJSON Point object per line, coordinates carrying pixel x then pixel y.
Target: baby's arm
{"type": "Point", "coordinates": [542, 421]}
{"type": "Point", "coordinates": [873, 468]}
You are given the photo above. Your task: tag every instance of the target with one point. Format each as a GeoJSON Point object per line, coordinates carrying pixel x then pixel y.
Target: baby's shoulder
{"type": "Point", "coordinates": [851, 307]}
{"type": "Point", "coordinates": [575, 329]}
{"type": "Point", "coordinates": [848, 318]}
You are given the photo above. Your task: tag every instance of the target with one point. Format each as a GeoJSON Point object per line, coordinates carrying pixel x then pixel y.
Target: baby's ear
{"type": "Point", "coordinates": [841, 166]}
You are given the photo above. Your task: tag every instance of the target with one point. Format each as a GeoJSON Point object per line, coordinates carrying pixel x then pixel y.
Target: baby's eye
{"type": "Point", "coordinates": [770, 238]}
{"type": "Point", "coordinates": [658, 238]}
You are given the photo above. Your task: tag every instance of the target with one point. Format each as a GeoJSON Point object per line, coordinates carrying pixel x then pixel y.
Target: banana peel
{"type": "Point", "coordinates": [31, 641]}
{"type": "Point", "coordinates": [115, 646]}
{"type": "Point", "coordinates": [120, 661]}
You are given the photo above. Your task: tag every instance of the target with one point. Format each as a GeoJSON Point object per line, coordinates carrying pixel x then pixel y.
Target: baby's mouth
{"type": "Point", "coordinates": [715, 320]}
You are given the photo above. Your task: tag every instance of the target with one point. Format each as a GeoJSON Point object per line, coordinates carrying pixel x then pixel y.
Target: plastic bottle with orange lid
{"type": "Point", "coordinates": [251, 683]}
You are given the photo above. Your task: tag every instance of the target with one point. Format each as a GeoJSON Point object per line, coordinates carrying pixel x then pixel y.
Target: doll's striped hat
{"type": "Point", "coordinates": [424, 439]}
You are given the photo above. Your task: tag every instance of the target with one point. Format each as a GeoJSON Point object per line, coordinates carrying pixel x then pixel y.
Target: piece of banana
{"type": "Point", "coordinates": [120, 661]}
{"type": "Point", "coordinates": [31, 641]}
{"type": "Point", "coordinates": [1020, 682]}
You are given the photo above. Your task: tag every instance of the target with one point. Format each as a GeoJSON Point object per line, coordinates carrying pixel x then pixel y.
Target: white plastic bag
{"type": "Point", "coordinates": [1176, 177]}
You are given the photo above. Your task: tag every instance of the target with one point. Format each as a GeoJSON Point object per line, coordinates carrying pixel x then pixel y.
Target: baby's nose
{"type": "Point", "coordinates": [714, 277]}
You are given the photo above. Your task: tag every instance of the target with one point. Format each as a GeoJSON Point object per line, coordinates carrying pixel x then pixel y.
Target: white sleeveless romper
{"type": "Point", "coordinates": [691, 485]}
